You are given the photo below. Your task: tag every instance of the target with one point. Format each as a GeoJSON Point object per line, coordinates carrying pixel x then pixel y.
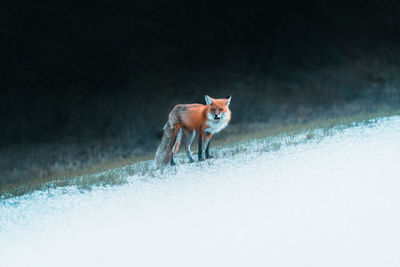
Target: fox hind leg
{"type": "Point", "coordinates": [176, 145]}
{"type": "Point", "coordinates": [189, 140]}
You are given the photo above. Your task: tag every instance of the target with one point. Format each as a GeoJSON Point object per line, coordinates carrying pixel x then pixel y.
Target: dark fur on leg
{"type": "Point", "coordinates": [208, 156]}
{"type": "Point", "coordinates": [200, 154]}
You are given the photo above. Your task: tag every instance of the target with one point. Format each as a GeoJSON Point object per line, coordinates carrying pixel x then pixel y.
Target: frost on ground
{"type": "Point", "coordinates": [334, 202]}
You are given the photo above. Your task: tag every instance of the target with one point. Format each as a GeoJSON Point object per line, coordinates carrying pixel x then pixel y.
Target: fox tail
{"type": "Point", "coordinates": [163, 153]}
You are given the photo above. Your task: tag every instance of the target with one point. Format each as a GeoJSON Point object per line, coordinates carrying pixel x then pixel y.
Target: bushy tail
{"type": "Point", "coordinates": [163, 154]}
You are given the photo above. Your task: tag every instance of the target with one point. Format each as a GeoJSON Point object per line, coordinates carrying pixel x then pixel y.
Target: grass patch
{"type": "Point", "coordinates": [234, 140]}
{"type": "Point", "coordinates": [242, 133]}
{"type": "Point", "coordinates": [96, 174]}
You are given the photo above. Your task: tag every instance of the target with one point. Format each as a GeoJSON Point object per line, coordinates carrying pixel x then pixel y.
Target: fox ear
{"type": "Point", "coordinates": [228, 101]}
{"type": "Point", "coordinates": [208, 100]}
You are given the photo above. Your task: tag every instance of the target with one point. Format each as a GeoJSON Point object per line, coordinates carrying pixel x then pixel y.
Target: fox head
{"type": "Point", "coordinates": [218, 109]}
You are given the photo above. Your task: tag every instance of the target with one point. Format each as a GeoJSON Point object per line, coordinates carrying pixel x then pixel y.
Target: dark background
{"type": "Point", "coordinates": [74, 72]}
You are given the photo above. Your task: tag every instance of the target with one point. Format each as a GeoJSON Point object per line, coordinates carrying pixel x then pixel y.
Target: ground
{"type": "Point", "coordinates": [326, 200]}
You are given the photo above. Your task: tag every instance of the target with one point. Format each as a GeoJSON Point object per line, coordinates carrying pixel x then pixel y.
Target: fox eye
{"type": "Point", "coordinates": [213, 110]}
{"type": "Point", "coordinates": [220, 110]}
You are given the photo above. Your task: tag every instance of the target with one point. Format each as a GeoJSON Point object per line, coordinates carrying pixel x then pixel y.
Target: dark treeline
{"type": "Point", "coordinates": [72, 71]}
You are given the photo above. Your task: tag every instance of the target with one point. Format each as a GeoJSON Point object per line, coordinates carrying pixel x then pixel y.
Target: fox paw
{"type": "Point", "coordinates": [209, 157]}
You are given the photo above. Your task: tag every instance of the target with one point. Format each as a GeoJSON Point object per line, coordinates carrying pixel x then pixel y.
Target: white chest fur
{"type": "Point", "coordinates": [216, 126]}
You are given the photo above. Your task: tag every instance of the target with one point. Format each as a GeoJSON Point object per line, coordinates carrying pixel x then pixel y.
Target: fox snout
{"type": "Point", "coordinates": [217, 116]}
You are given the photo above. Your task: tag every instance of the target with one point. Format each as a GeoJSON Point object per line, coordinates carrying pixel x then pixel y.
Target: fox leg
{"type": "Point", "coordinates": [189, 140]}
{"type": "Point", "coordinates": [176, 144]}
{"type": "Point", "coordinates": [208, 139]}
{"type": "Point", "coordinates": [200, 154]}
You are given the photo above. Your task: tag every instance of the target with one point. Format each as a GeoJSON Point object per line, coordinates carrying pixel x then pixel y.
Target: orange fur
{"type": "Point", "coordinates": [204, 119]}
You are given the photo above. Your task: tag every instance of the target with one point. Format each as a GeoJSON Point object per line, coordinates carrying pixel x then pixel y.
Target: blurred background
{"type": "Point", "coordinates": [91, 83]}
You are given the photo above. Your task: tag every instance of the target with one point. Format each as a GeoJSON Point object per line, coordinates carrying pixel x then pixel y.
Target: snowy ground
{"type": "Point", "coordinates": [330, 203]}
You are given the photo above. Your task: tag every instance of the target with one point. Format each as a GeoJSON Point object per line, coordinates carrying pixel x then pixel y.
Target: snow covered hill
{"type": "Point", "coordinates": [332, 202]}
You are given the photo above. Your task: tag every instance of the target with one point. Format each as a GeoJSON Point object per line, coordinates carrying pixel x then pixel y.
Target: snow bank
{"type": "Point", "coordinates": [328, 203]}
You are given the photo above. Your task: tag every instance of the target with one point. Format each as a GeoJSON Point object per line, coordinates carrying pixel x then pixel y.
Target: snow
{"type": "Point", "coordinates": [332, 202]}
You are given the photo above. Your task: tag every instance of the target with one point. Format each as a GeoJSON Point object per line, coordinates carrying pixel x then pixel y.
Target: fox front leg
{"type": "Point", "coordinates": [208, 141]}
{"type": "Point", "coordinates": [200, 147]}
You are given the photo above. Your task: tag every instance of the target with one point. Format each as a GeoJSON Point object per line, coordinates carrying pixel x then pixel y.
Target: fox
{"type": "Point", "coordinates": [206, 120]}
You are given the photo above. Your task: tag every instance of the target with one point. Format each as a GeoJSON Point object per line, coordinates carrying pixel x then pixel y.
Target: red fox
{"type": "Point", "coordinates": [205, 119]}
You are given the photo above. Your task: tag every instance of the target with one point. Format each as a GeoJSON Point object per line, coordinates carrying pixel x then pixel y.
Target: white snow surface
{"type": "Point", "coordinates": [334, 202]}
